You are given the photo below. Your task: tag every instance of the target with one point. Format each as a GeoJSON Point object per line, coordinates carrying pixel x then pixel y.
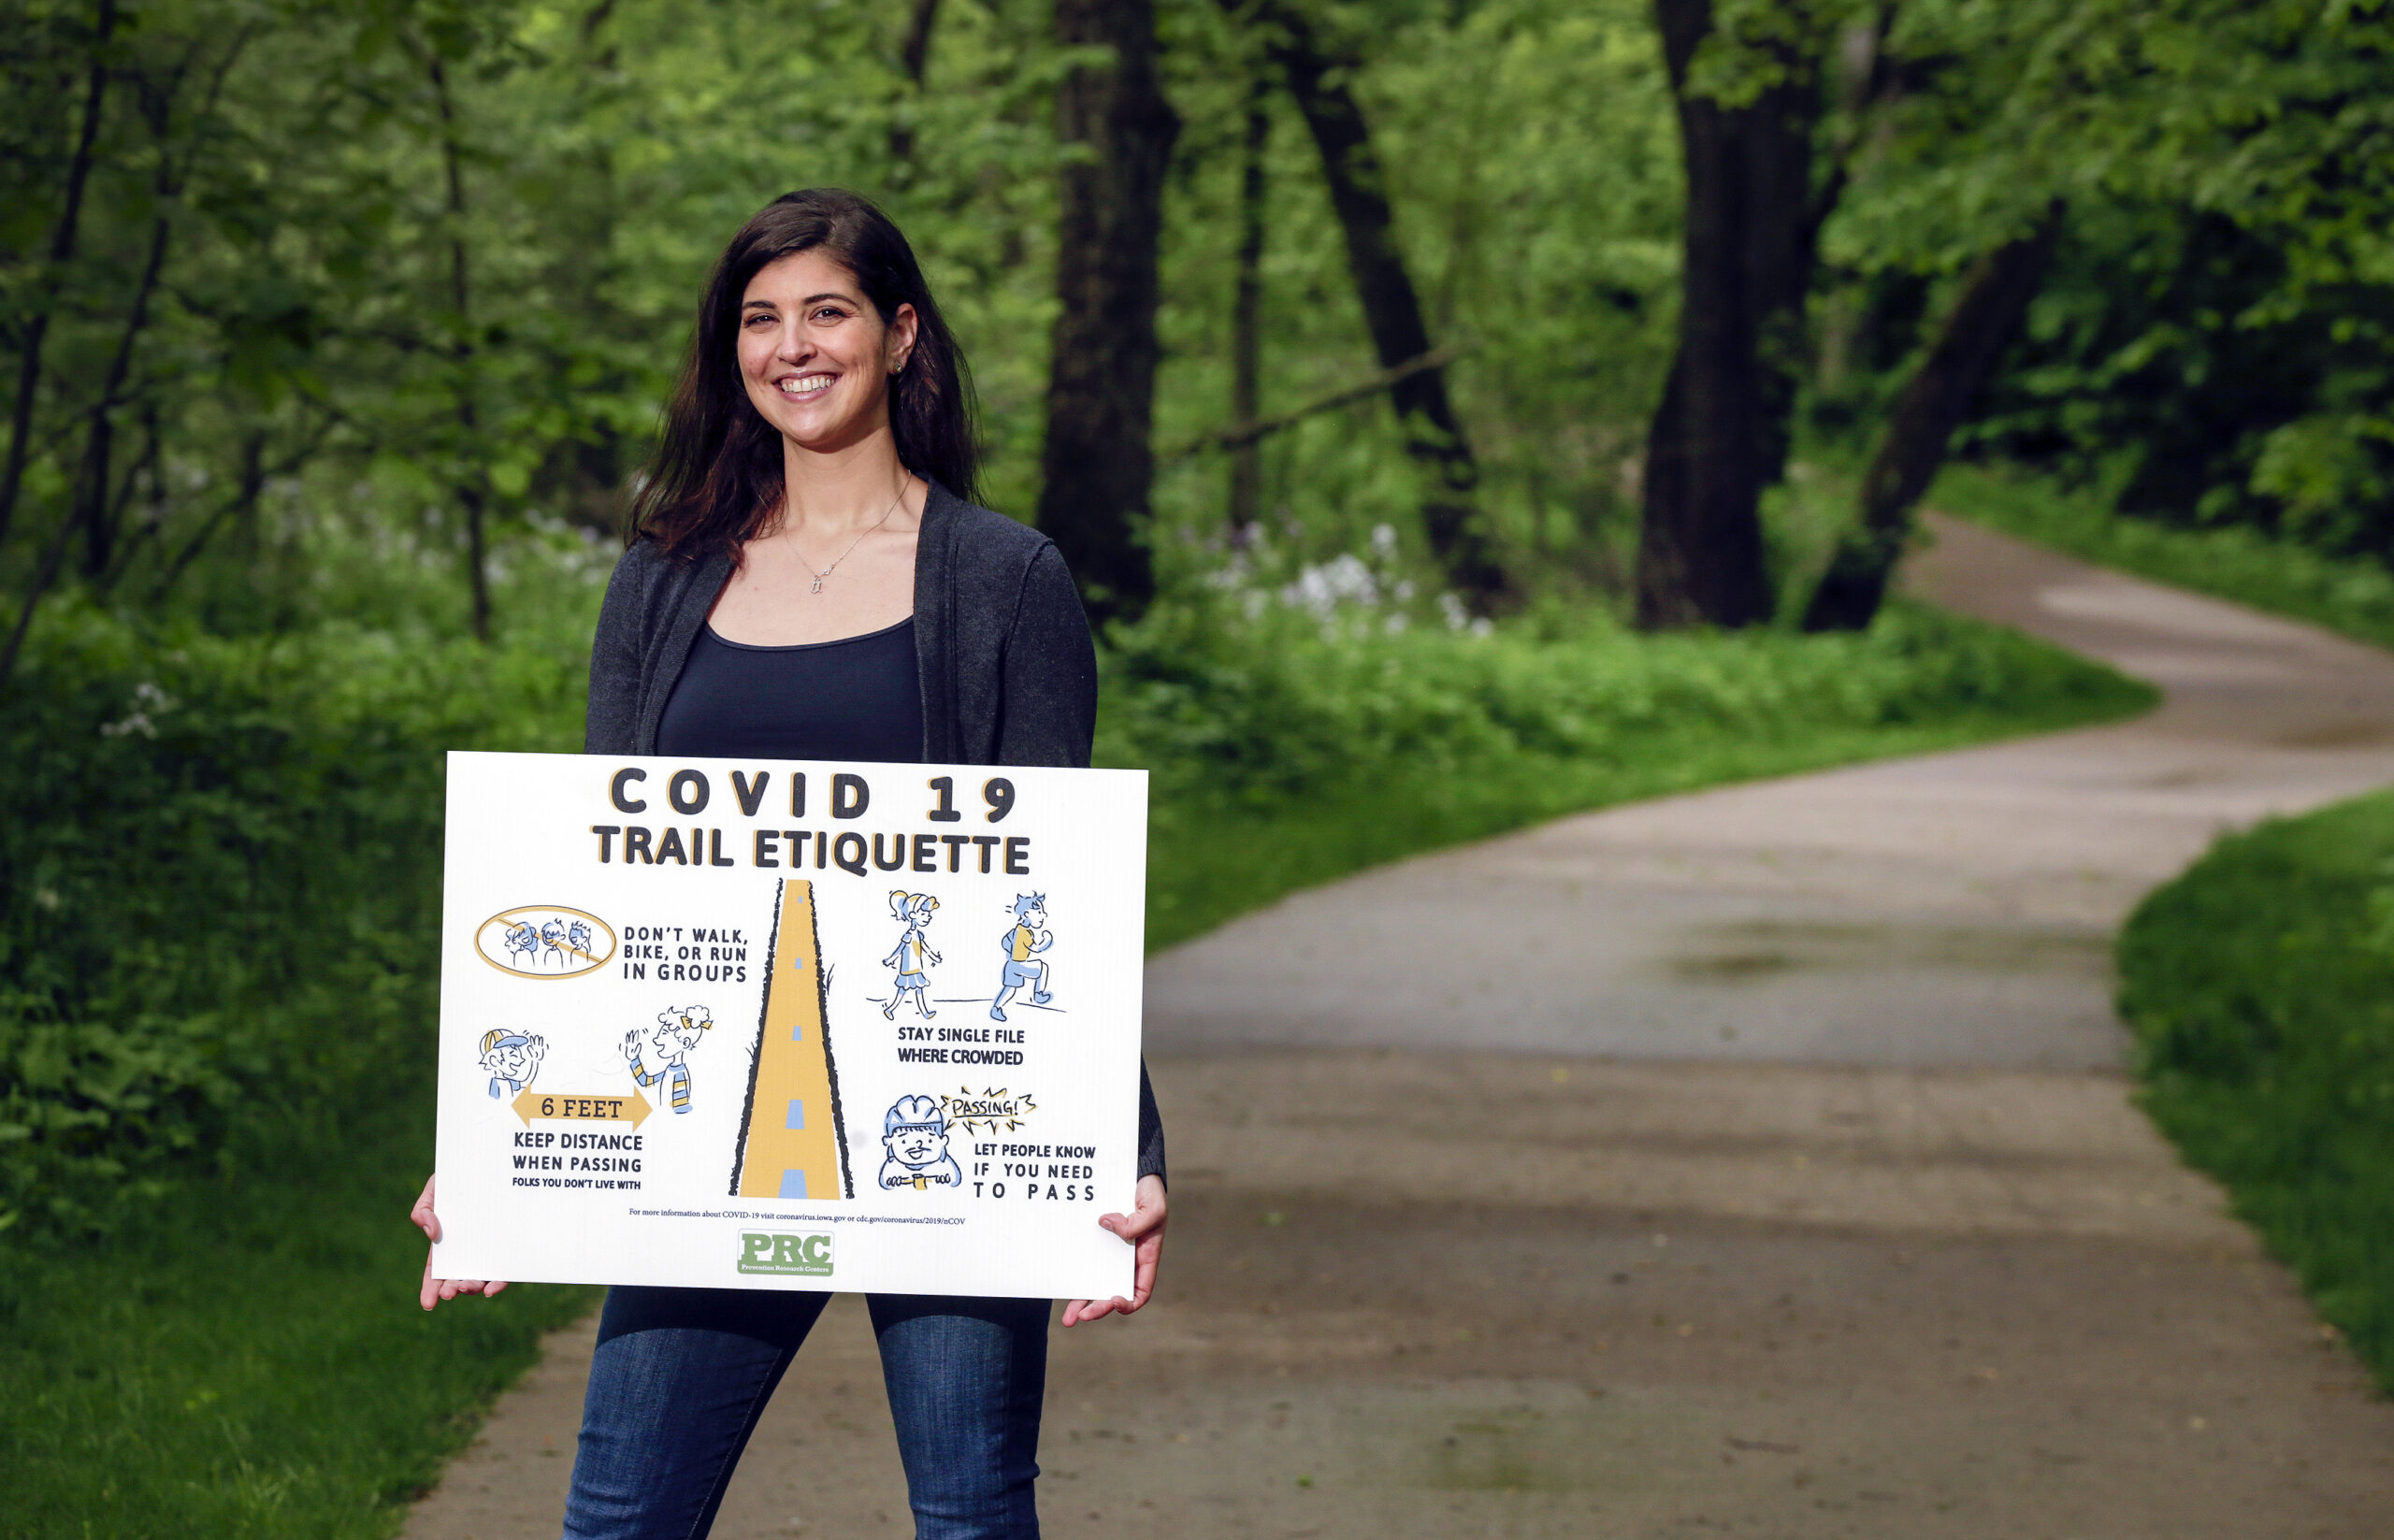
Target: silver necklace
{"type": "Point", "coordinates": [816, 586]}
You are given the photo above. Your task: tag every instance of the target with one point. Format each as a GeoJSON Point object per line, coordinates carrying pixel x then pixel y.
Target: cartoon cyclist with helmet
{"type": "Point", "coordinates": [915, 1134]}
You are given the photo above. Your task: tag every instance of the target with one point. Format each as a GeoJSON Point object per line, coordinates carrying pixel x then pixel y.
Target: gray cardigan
{"type": "Point", "coordinates": [1001, 648]}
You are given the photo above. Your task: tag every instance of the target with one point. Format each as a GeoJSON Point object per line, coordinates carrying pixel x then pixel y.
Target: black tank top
{"type": "Point", "coordinates": [858, 698]}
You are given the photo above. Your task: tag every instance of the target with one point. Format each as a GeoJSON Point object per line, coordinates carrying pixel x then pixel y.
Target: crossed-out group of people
{"type": "Point", "coordinates": [554, 943]}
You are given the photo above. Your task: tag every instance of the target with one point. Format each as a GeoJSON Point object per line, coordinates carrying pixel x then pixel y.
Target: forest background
{"type": "Point", "coordinates": [1457, 410]}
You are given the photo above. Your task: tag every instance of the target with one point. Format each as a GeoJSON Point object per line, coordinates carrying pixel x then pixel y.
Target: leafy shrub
{"type": "Point", "coordinates": [220, 874]}
{"type": "Point", "coordinates": [1255, 705]}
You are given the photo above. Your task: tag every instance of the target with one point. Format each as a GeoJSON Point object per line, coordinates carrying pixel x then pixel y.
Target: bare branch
{"type": "Point", "coordinates": [1240, 433]}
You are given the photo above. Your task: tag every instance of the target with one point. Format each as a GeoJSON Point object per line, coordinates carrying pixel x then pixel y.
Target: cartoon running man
{"type": "Point", "coordinates": [915, 909]}
{"type": "Point", "coordinates": [915, 1134]}
{"type": "Point", "coordinates": [1023, 943]}
{"type": "Point", "coordinates": [677, 1031]}
{"type": "Point", "coordinates": [510, 1059]}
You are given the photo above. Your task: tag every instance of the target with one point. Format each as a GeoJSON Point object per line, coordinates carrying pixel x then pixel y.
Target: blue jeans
{"type": "Point", "coordinates": [681, 1374]}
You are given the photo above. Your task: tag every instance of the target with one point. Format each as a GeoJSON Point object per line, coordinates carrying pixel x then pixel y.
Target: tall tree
{"type": "Point", "coordinates": [1985, 317]}
{"type": "Point", "coordinates": [1247, 313]}
{"type": "Point", "coordinates": [63, 235]}
{"type": "Point", "coordinates": [914, 60]}
{"type": "Point", "coordinates": [1099, 466]}
{"type": "Point", "coordinates": [473, 479]}
{"type": "Point", "coordinates": [1720, 435]}
{"type": "Point", "coordinates": [96, 505]}
{"type": "Point", "coordinates": [1317, 75]}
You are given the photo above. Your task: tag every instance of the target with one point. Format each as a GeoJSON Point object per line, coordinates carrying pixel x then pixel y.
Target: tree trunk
{"type": "Point", "coordinates": [62, 248]}
{"type": "Point", "coordinates": [914, 57]}
{"type": "Point", "coordinates": [1721, 434]}
{"type": "Point", "coordinates": [1985, 317]}
{"type": "Point", "coordinates": [1458, 531]}
{"type": "Point", "coordinates": [150, 472]}
{"type": "Point", "coordinates": [53, 557]}
{"type": "Point", "coordinates": [473, 493]}
{"type": "Point", "coordinates": [1098, 464]}
{"type": "Point", "coordinates": [96, 509]}
{"type": "Point", "coordinates": [1247, 318]}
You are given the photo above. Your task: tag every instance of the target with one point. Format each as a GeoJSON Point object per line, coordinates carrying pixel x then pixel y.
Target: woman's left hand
{"type": "Point", "coordinates": [1143, 1227]}
{"type": "Point", "coordinates": [433, 1290]}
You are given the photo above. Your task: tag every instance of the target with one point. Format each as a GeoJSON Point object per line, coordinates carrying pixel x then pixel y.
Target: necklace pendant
{"type": "Point", "coordinates": [815, 587]}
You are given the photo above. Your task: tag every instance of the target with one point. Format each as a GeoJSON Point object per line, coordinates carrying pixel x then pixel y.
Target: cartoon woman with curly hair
{"type": "Point", "coordinates": [912, 954]}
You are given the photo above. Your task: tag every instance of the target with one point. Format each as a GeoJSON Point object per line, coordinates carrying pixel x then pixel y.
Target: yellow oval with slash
{"type": "Point", "coordinates": [545, 941]}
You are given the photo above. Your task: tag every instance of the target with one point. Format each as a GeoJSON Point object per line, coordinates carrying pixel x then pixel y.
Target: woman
{"type": "Point", "coordinates": [914, 911]}
{"type": "Point", "coordinates": [808, 578]}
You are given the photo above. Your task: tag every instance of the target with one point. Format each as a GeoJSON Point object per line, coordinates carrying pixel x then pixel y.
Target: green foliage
{"type": "Point", "coordinates": [345, 347]}
{"type": "Point", "coordinates": [2215, 341]}
{"type": "Point", "coordinates": [221, 890]}
{"type": "Point", "coordinates": [2261, 990]}
{"type": "Point", "coordinates": [1535, 171]}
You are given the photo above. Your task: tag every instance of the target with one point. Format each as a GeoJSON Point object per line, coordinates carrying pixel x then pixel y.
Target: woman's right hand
{"type": "Point", "coordinates": [435, 1290]}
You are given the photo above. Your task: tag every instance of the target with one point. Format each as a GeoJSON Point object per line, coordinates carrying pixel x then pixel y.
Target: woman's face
{"type": "Point", "coordinates": [815, 354]}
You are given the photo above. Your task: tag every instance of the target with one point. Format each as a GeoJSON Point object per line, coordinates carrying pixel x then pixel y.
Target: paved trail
{"type": "Point", "coordinates": [1756, 1163]}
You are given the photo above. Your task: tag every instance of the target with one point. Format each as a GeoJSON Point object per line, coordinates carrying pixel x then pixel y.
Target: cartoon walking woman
{"type": "Point", "coordinates": [510, 1059]}
{"type": "Point", "coordinates": [913, 1134]}
{"type": "Point", "coordinates": [676, 1032]}
{"type": "Point", "coordinates": [911, 953]}
{"type": "Point", "coordinates": [1023, 943]}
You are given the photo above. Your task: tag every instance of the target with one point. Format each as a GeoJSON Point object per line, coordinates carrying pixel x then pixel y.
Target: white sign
{"type": "Point", "coordinates": [790, 1024]}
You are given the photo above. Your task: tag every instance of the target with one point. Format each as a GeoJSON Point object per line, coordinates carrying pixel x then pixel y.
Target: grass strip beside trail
{"type": "Point", "coordinates": [2353, 595]}
{"type": "Point", "coordinates": [250, 1360]}
{"type": "Point", "coordinates": [1329, 758]}
{"type": "Point", "coordinates": [246, 1358]}
{"type": "Point", "coordinates": [2260, 988]}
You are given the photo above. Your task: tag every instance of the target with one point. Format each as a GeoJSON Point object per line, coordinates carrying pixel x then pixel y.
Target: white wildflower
{"type": "Point", "coordinates": [1322, 589]}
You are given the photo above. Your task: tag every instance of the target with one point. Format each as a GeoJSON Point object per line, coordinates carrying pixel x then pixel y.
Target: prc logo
{"type": "Point", "coordinates": [545, 941]}
{"type": "Point", "coordinates": [785, 1255]}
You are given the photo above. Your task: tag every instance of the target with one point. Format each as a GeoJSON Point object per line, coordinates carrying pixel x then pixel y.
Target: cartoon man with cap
{"type": "Point", "coordinates": [510, 1059]}
{"type": "Point", "coordinates": [914, 1132]}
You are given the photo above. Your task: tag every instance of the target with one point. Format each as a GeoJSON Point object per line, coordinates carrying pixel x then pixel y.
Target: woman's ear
{"type": "Point", "coordinates": [900, 345]}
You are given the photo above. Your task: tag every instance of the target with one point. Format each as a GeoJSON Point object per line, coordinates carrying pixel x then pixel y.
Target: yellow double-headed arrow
{"type": "Point", "coordinates": [630, 1109]}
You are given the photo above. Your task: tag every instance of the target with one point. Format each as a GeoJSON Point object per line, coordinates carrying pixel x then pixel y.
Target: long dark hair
{"type": "Point", "coordinates": [716, 477]}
